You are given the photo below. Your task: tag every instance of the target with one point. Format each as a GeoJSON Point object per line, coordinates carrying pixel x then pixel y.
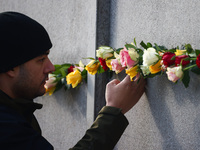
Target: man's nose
{"type": "Point", "coordinates": [49, 68]}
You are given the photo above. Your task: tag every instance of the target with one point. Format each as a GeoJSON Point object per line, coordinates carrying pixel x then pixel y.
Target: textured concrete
{"type": "Point", "coordinates": [167, 117]}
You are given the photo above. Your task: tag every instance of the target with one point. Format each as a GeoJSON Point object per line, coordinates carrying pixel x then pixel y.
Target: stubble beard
{"type": "Point", "coordinates": [25, 87]}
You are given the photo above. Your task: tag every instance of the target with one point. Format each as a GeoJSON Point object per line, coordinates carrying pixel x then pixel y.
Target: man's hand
{"type": "Point", "coordinates": [124, 94]}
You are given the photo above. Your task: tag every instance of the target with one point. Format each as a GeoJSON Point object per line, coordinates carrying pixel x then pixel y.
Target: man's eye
{"type": "Point", "coordinates": [42, 60]}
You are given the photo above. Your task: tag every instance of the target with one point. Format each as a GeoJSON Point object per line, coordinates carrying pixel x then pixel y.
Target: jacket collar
{"type": "Point", "coordinates": [23, 106]}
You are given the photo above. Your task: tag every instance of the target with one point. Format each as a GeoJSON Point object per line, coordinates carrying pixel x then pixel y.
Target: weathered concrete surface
{"type": "Point", "coordinates": [167, 117]}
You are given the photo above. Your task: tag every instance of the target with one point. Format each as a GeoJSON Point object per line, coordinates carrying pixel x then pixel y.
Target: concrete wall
{"type": "Point", "coordinates": [167, 116]}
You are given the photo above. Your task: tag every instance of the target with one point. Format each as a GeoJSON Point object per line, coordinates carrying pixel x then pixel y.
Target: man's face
{"type": "Point", "coordinates": [32, 76]}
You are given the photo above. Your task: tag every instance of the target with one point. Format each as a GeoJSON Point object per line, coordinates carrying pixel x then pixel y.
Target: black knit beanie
{"type": "Point", "coordinates": [21, 39]}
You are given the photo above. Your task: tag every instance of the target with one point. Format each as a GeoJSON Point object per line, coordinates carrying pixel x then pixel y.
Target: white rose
{"type": "Point", "coordinates": [174, 73]}
{"type": "Point", "coordinates": [104, 52]}
{"type": "Point", "coordinates": [133, 54]}
{"type": "Point", "coordinates": [149, 56]}
{"type": "Point", "coordinates": [145, 70]}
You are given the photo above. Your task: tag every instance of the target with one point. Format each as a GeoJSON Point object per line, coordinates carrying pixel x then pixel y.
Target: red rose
{"type": "Point", "coordinates": [103, 63]}
{"type": "Point", "coordinates": [167, 59]}
{"type": "Point", "coordinates": [198, 61]}
{"type": "Point", "coordinates": [70, 69]}
{"type": "Point", "coordinates": [178, 60]}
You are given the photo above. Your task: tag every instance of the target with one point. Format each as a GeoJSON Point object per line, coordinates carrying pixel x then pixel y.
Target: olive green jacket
{"type": "Point", "coordinates": [105, 131]}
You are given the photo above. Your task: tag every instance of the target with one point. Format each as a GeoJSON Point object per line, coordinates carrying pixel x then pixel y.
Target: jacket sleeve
{"type": "Point", "coordinates": [105, 131]}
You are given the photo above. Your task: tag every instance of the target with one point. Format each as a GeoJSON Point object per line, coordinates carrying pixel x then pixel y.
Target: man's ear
{"type": "Point", "coordinates": [13, 72]}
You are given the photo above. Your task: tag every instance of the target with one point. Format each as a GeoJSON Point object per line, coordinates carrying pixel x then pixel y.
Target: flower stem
{"type": "Point", "coordinates": [193, 58]}
{"type": "Point", "coordinates": [189, 67]}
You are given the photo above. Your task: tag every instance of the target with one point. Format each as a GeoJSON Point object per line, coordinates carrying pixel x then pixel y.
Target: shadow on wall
{"type": "Point", "coordinates": [166, 100]}
{"type": "Point", "coordinates": [73, 101]}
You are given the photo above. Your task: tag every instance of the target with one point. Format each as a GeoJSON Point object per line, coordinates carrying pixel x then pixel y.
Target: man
{"type": "Point", "coordinates": [24, 47]}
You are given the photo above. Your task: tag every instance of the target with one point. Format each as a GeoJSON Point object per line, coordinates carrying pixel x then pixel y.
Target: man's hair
{"type": "Point", "coordinates": [21, 39]}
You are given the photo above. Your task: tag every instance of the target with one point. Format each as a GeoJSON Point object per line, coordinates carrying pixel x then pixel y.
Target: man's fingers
{"type": "Point", "coordinates": [126, 79]}
{"type": "Point", "coordinates": [114, 82]}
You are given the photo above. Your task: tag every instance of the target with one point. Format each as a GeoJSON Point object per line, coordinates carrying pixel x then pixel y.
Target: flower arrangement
{"type": "Point", "coordinates": [147, 62]}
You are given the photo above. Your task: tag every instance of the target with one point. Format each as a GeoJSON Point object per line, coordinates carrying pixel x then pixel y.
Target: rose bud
{"type": "Point", "coordinates": [178, 60]}
{"type": "Point", "coordinates": [198, 61]}
{"type": "Point", "coordinates": [103, 63]}
{"type": "Point", "coordinates": [167, 59]}
{"type": "Point", "coordinates": [70, 69]}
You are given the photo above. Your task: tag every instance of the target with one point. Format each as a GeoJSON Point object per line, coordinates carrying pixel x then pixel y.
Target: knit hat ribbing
{"type": "Point", "coordinates": [21, 39]}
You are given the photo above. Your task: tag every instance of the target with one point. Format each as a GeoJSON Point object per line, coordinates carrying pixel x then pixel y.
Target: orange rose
{"type": "Point", "coordinates": [155, 68]}
{"type": "Point", "coordinates": [132, 72]}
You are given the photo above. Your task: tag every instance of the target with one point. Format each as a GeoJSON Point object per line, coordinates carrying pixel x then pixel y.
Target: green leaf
{"type": "Point", "coordinates": [130, 46]}
{"type": "Point", "coordinates": [149, 45]}
{"type": "Point", "coordinates": [186, 78]}
{"type": "Point", "coordinates": [173, 58]}
{"type": "Point", "coordinates": [64, 71]}
{"type": "Point", "coordinates": [197, 51]}
{"type": "Point", "coordinates": [196, 70]}
{"type": "Point", "coordinates": [59, 85]}
{"type": "Point", "coordinates": [157, 47]}
{"type": "Point", "coordinates": [57, 72]}
{"type": "Point", "coordinates": [66, 65]}
{"type": "Point", "coordinates": [89, 58]}
{"type": "Point", "coordinates": [143, 45]}
{"type": "Point", "coordinates": [188, 48]}
{"type": "Point", "coordinates": [57, 66]}
{"type": "Point", "coordinates": [118, 50]}
{"type": "Point", "coordinates": [135, 42]}
{"type": "Point", "coordinates": [84, 75]}
{"type": "Point", "coordinates": [100, 70]}
{"type": "Point", "coordinates": [187, 59]}
{"type": "Point", "coordinates": [173, 50]}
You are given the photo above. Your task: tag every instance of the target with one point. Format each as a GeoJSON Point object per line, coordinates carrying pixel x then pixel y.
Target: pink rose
{"type": "Point", "coordinates": [80, 68]}
{"type": "Point", "coordinates": [116, 66]}
{"type": "Point", "coordinates": [125, 59]}
{"type": "Point", "coordinates": [51, 82]}
{"type": "Point", "coordinates": [174, 73]}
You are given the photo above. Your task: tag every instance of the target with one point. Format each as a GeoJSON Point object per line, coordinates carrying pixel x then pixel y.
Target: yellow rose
{"type": "Point", "coordinates": [74, 78]}
{"type": "Point", "coordinates": [179, 52]}
{"type": "Point", "coordinates": [108, 63]}
{"type": "Point", "coordinates": [155, 68]}
{"type": "Point", "coordinates": [50, 90]}
{"type": "Point", "coordinates": [132, 72]}
{"type": "Point", "coordinates": [92, 67]}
